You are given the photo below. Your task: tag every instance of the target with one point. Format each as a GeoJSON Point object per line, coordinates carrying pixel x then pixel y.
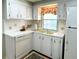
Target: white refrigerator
{"type": "Point", "coordinates": [70, 50]}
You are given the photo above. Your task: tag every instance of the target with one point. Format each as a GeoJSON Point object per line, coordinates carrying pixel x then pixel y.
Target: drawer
{"type": "Point", "coordinates": [23, 47]}
{"type": "Point", "coordinates": [20, 38]}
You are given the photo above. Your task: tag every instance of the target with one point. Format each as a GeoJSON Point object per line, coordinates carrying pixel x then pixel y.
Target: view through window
{"type": "Point", "coordinates": [50, 21]}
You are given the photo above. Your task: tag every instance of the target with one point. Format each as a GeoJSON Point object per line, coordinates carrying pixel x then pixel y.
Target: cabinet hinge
{"type": "Point", "coordinates": [54, 41]}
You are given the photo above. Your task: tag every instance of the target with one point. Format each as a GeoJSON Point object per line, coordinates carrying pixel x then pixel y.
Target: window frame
{"type": "Point", "coordinates": [48, 19]}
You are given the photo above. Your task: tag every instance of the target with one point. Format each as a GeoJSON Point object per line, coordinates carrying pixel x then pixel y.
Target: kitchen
{"type": "Point", "coordinates": [41, 27]}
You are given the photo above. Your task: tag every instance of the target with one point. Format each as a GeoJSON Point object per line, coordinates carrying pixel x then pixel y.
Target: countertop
{"type": "Point", "coordinates": [55, 34]}
{"type": "Point", "coordinates": [17, 33]}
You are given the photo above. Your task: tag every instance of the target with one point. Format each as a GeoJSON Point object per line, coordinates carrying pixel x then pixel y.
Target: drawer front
{"type": "Point", "coordinates": [20, 38]}
{"type": "Point", "coordinates": [23, 47]}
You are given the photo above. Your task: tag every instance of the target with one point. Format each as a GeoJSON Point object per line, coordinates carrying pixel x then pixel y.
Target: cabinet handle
{"type": "Point", "coordinates": [51, 39]}
{"type": "Point", "coordinates": [42, 38]}
{"type": "Point", "coordinates": [54, 41]}
{"type": "Point", "coordinates": [39, 37]}
{"type": "Point", "coordinates": [60, 41]}
{"type": "Point", "coordinates": [17, 15]}
{"type": "Point", "coordinates": [9, 3]}
{"type": "Point", "coordinates": [20, 15]}
{"type": "Point", "coordinates": [59, 57]}
{"type": "Point", "coordinates": [67, 42]}
{"type": "Point", "coordinates": [9, 15]}
{"type": "Point", "coordinates": [20, 36]}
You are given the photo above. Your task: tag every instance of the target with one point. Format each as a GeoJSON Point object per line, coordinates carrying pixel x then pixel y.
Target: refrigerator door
{"type": "Point", "coordinates": [71, 17]}
{"type": "Point", "coordinates": [70, 44]}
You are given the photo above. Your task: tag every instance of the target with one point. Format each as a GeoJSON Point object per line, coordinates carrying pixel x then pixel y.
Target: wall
{"type": "Point", "coordinates": [61, 23]}
{"type": "Point", "coordinates": [35, 8]}
{"type": "Point", "coordinates": [61, 26]}
{"type": "Point", "coordinates": [71, 3]}
{"type": "Point", "coordinates": [12, 24]}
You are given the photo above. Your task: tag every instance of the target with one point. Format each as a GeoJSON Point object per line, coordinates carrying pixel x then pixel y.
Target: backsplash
{"type": "Point", "coordinates": [17, 24]}
{"type": "Point", "coordinates": [12, 24]}
{"type": "Point", "coordinates": [61, 25]}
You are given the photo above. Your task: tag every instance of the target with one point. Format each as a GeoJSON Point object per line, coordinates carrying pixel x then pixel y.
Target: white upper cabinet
{"type": "Point", "coordinates": [62, 10]}
{"type": "Point", "coordinates": [10, 9]}
{"type": "Point", "coordinates": [29, 12]}
{"type": "Point", "coordinates": [13, 9]}
{"type": "Point", "coordinates": [25, 11]}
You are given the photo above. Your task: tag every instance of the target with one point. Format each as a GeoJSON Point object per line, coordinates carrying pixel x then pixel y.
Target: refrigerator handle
{"type": "Point", "coordinates": [66, 48]}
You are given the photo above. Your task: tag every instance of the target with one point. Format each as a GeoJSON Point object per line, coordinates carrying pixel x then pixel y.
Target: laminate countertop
{"type": "Point", "coordinates": [17, 33]}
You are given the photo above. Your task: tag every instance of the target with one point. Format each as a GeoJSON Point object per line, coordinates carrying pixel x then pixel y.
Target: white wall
{"type": "Point", "coordinates": [71, 3]}
{"type": "Point", "coordinates": [12, 24]}
{"type": "Point", "coordinates": [61, 26]}
{"type": "Point", "coordinates": [36, 6]}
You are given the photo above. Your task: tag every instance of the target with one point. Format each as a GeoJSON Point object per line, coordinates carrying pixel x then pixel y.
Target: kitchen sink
{"type": "Point", "coordinates": [45, 32]}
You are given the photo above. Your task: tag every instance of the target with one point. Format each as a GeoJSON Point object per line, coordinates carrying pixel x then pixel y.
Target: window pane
{"type": "Point", "coordinates": [50, 16]}
{"type": "Point", "coordinates": [50, 21]}
{"type": "Point", "coordinates": [50, 24]}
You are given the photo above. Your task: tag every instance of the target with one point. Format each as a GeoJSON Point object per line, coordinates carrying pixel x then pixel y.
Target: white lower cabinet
{"type": "Point", "coordinates": [46, 45]}
{"type": "Point", "coordinates": [17, 47]}
{"type": "Point", "coordinates": [42, 44]}
{"type": "Point", "coordinates": [23, 45]}
{"type": "Point", "coordinates": [10, 47]}
{"type": "Point", "coordinates": [36, 42]}
{"type": "Point", "coordinates": [56, 48]}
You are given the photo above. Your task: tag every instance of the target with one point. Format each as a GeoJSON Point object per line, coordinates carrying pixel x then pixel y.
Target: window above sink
{"type": "Point", "coordinates": [49, 17]}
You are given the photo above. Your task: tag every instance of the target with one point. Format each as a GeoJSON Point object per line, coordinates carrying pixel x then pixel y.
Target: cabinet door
{"type": "Point", "coordinates": [46, 45]}
{"type": "Point", "coordinates": [23, 45]}
{"type": "Point", "coordinates": [56, 48]}
{"type": "Point", "coordinates": [29, 12]}
{"type": "Point", "coordinates": [36, 41]}
{"type": "Point", "coordinates": [22, 11]}
{"type": "Point", "coordinates": [9, 4]}
{"type": "Point", "coordinates": [62, 10]}
{"type": "Point", "coordinates": [14, 10]}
